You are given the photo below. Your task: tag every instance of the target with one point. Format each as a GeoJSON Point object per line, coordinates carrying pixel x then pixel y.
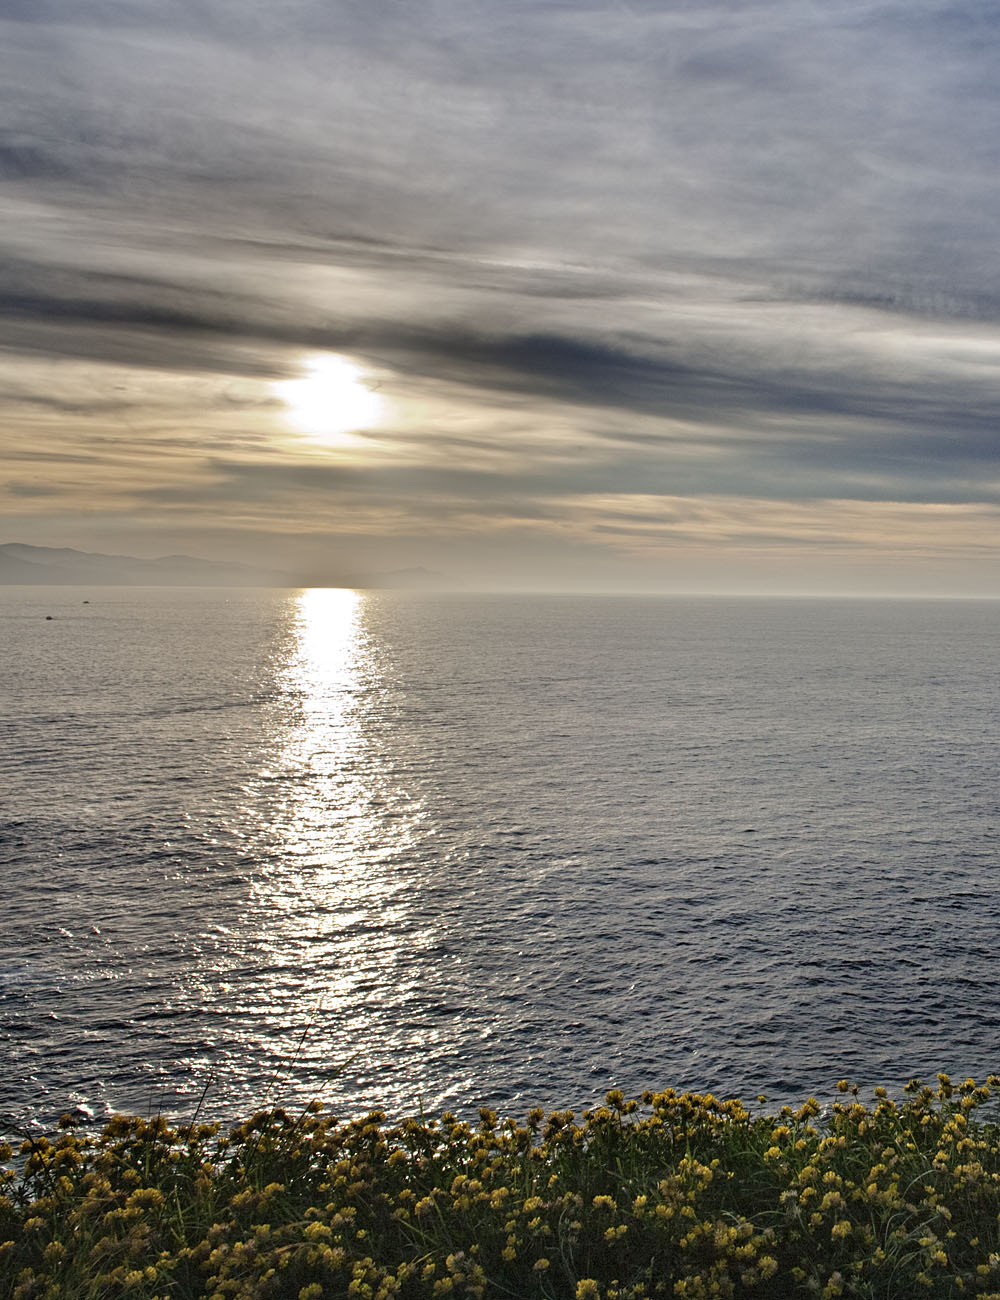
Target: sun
{"type": "Point", "coordinates": [331, 399]}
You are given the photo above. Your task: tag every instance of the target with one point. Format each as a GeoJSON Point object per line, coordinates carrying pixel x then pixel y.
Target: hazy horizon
{"type": "Point", "coordinates": [417, 581]}
{"type": "Point", "coordinates": [616, 295]}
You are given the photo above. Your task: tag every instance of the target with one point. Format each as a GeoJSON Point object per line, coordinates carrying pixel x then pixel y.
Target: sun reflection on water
{"type": "Point", "coordinates": [325, 673]}
{"type": "Point", "coordinates": [335, 809]}
{"type": "Point", "coordinates": [337, 894]}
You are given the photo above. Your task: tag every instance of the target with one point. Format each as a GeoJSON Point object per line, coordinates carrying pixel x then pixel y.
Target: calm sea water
{"type": "Point", "coordinates": [452, 851]}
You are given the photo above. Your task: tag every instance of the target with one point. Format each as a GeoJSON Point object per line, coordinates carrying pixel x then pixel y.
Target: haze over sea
{"type": "Point", "coordinates": [408, 850]}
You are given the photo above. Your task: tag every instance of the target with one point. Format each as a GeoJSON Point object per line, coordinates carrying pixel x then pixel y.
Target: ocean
{"type": "Point", "coordinates": [437, 852]}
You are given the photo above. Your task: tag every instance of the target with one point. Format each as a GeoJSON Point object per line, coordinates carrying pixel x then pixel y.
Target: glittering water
{"type": "Point", "coordinates": [452, 851]}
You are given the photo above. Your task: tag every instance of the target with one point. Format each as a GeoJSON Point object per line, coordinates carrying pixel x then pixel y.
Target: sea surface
{"type": "Point", "coordinates": [448, 851]}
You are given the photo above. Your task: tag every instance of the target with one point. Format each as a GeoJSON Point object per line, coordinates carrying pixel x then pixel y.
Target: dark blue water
{"type": "Point", "coordinates": [452, 851]}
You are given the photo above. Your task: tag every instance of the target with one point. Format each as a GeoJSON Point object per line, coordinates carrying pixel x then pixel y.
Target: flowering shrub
{"type": "Point", "coordinates": [681, 1196]}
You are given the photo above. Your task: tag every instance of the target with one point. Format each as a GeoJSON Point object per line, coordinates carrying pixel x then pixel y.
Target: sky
{"type": "Point", "coordinates": [667, 295]}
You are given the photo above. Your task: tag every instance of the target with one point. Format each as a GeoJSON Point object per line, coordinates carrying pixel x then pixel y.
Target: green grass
{"type": "Point", "coordinates": [679, 1195]}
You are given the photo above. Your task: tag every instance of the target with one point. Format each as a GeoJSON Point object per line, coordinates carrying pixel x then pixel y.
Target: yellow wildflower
{"type": "Point", "coordinates": [145, 1198]}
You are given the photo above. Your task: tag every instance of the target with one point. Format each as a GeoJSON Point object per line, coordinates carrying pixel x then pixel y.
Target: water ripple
{"type": "Point", "coordinates": [502, 851]}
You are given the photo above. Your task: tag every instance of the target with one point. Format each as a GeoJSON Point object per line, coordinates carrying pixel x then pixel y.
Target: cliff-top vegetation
{"type": "Point", "coordinates": [680, 1195]}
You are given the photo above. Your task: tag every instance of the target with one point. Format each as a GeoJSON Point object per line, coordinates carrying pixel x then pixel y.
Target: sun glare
{"type": "Point", "coordinates": [331, 399]}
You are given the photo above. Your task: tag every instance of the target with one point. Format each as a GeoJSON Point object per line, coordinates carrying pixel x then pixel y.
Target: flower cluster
{"type": "Point", "coordinates": [678, 1196]}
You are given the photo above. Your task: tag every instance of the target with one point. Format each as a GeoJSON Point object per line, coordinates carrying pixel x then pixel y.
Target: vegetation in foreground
{"type": "Point", "coordinates": [681, 1195]}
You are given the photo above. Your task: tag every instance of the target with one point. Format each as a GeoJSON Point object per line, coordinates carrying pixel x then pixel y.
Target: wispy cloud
{"type": "Point", "coordinates": [589, 252]}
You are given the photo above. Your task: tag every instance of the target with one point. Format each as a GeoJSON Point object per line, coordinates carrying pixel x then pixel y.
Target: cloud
{"type": "Point", "coordinates": [588, 250]}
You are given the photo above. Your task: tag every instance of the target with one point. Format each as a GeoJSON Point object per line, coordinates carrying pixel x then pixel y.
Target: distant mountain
{"type": "Point", "coordinates": [61, 566]}
{"type": "Point", "coordinates": [22, 565]}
